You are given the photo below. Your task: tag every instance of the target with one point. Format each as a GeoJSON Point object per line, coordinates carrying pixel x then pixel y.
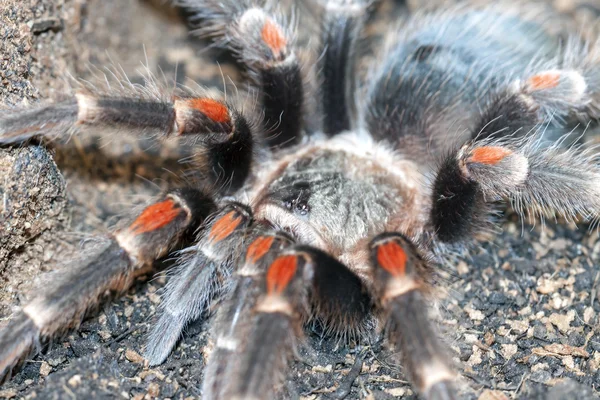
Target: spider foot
{"type": "Point", "coordinates": [399, 274]}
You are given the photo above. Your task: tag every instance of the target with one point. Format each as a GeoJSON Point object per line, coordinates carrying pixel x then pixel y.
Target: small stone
{"type": "Point", "coordinates": [539, 332]}
{"type": "Point", "coordinates": [525, 311]}
{"type": "Point", "coordinates": [541, 376]}
{"type": "Point", "coordinates": [398, 392]}
{"type": "Point", "coordinates": [154, 298]}
{"type": "Point", "coordinates": [475, 314]}
{"type": "Point", "coordinates": [130, 369]}
{"type": "Point", "coordinates": [539, 367]}
{"type": "Point", "coordinates": [74, 381]}
{"type": "Point", "coordinates": [462, 268]}
{"type": "Point", "coordinates": [489, 338]}
{"type": "Point", "coordinates": [470, 338]}
{"type": "Point", "coordinates": [153, 389]}
{"type": "Point", "coordinates": [569, 362]}
{"type": "Point", "coordinates": [517, 326]}
{"type": "Point", "coordinates": [55, 362]}
{"type": "Point", "coordinates": [492, 395]}
{"type": "Point", "coordinates": [558, 302]}
{"type": "Point", "coordinates": [105, 335]}
{"type": "Point", "coordinates": [576, 340]}
{"type": "Point", "coordinates": [559, 244]}
{"type": "Point", "coordinates": [548, 286]}
{"type": "Point", "coordinates": [566, 350]}
{"type": "Point", "coordinates": [8, 394]}
{"type": "Point", "coordinates": [562, 321]}
{"type": "Point", "coordinates": [320, 368]}
{"type": "Point", "coordinates": [497, 298]}
{"type": "Point", "coordinates": [45, 369]}
{"type": "Point", "coordinates": [503, 331]}
{"type": "Point", "coordinates": [128, 311]}
{"type": "Point", "coordinates": [588, 314]}
{"type": "Point", "coordinates": [509, 350]}
{"type": "Point", "coordinates": [133, 356]}
{"type": "Point", "coordinates": [475, 358]}
{"type": "Point", "coordinates": [151, 374]}
{"type": "Point", "coordinates": [520, 301]}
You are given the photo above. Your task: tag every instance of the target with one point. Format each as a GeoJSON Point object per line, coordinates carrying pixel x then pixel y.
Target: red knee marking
{"type": "Point", "coordinates": [273, 37]}
{"type": "Point", "coordinates": [213, 109]}
{"type": "Point", "coordinates": [155, 216]}
{"type": "Point", "coordinates": [489, 155]}
{"type": "Point", "coordinates": [392, 257]}
{"type": "Point", "coordinates": [224, 226]}
{"type": "Point", "coordinates": [280, 273]}
{"type": "Point", "coordinates": [545, 80]}
{"type": "Point", "coordinates": [259, 248]}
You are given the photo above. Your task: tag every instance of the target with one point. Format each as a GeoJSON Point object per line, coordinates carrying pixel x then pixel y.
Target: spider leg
{"type": "Point", "coordinates": [399, 273]}
{"type": "Point", "coordinates": [127, 254]}
{"type": "Point", "coordinates": [234, 316]}
{"type": "Point", "coordinates": [551, 96]}
{"type": "Point", "coordinates": [536, 177]}
{"type": "Point", "coordinates": [287, 290]}
{"type": "Point", "coordinates": [222, 137]}
{"type": "Point", "coordinates": [19, 125]}
{"type": "Point", "coordinates": [263, 40]}
{"type": "Point", "coordinates": [341, 26]}
{"type": "Point", "coordinates": [199, 277]}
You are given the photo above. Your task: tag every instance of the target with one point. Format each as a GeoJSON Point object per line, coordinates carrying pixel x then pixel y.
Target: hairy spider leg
{"type": "Point", "coordinates": [341, 27]}
{"type": "Point", "coordinates": [229, 330]}
{"type": "Point", "coordinates": [400, 272]}
{"type": "Point", "coordinates": [127, 254]}
{"type": "Point", "coordinates": [222, 137]}
{"type": "Point", "coordinates": [537, 178]}
{"type": "Point", "coordinates": [301, 283]}
{"type": "Point", "coordinates": [198, 277]}
{"type": "Point", "coordinates": [263, 40]}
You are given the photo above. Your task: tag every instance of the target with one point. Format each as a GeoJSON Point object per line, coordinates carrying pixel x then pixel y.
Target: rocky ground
{"type": "Point", "coordinates": [520, 314]}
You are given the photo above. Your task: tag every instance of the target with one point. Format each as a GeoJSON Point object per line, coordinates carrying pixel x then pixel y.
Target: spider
{"type": "Point", "coordinates": [339, 206]}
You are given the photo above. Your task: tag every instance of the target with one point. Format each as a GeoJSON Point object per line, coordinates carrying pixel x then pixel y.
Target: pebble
{"type": "Point", "coordinates": [45, 369]}
{"type": "Point", "coordinates": [320, 368]}
{"type": "Point", "coordinates": [133, 356]}
{"type": "Point", "coordinates": [509, 350]}
{"type": "Point", "coordinates": [153, 389]}
{"type": "Point", "coordinates": [492, 395]}
{"type": "Point", "coordinates": [489, 338]}
{"type": "Point", "coordinates": [541, 376]}
{"type": "Point", "coordinates": [398, 392]}
{"type": "Point", "coordinates": [562, 321]}
{"type": "Point", "coordinates": [475, 314]}
{"type": "Point", "coordinates": [588, 314]}
{"type": "Point", "coordinates": [74, 381]}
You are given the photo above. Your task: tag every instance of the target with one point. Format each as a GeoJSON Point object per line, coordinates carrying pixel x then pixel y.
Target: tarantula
{"type": "Point", "coordinates": [343, 224]}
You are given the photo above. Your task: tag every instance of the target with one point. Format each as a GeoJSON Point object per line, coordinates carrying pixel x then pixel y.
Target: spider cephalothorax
{"type": "Point", "coordinates": [343, 223]}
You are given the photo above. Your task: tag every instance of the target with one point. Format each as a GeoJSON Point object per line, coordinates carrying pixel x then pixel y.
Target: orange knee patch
{"type": "Point", "coordinates": [392, 257]}
{"type": "Point", "coordinates": [281, 273]}
{"type": "Point", "coordinates": [545, 80]}
{"type": "Point", "coordinates": [489, 155]}
{"type": "Point", "coordinates": [273, 37]}
{"type": "Point", "coordinates": [259, 248]}
{"type": "Point", "coordinates": [213, 109]}
{"type": "Point", "coordinates": [224, 226]}
{"type": "Point", "coordinates": [155, 216]}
